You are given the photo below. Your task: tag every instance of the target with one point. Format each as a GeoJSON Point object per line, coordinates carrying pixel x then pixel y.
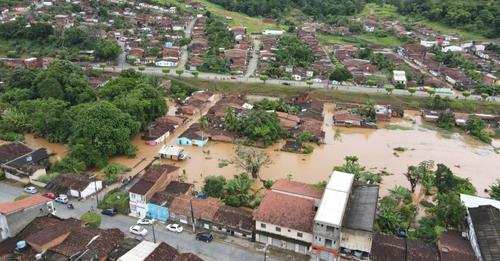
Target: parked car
{"type": "Point", "coordinates": [63, 199]}
{"type": "Point", "coordinates": [175, 228]}
{"type": "Point", "coordinates": [286, 83]}
{"type": "Point", "coordinates": [50, 195]}
{"type": "Point", "coordinates": [145, 221]}
{"type": "Point", "coordinates": [31, 190]}
{"type": "Point", "coordinates": [138, 230]}
{"type": "Point", "coordinates": [204, 236]}
{"type": "Point", "coordinates": [109, 212]}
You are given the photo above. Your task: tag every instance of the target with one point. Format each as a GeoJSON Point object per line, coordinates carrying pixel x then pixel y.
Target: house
{"type": "Point", "coordinates": [277, 226]}
{"type": "Point", "coordinates": [273, 32]}
{"type": "Point", "coordinates": [288, 121]}
{"type": "Point", "coordinates": [140, 252]}
{"type": "Point", "coordinates": [347, 119]}
{"type": "Point", "coordinates": [329, 217]}
{"type": "Point", "coordinates": [172, 152]}
{"type": "Point", "coordinates": [234, 221]}
{"type": "Point", "coordinates": [160, 202]}
{"type": "Point", "coordinates": [155, 178]}
{"type": "Point", "coordinates": [136, 52]}
{"type": "Point", "coordinates": [161, 128]}
{"type": "Point", "coordinates": [75, 185]}
{"type": "Point", "coordinates": [399, 77]}
{"type": "Point", "coordinates": [149, 251]}
{"type": "Point", "coordinates": [383, 112]}
{"type": "Point", "coordinates": [298, 189]}
{"type": "Point", "coordinates": [16, 215]}
{"type": "Point", "coordinates": [40, 234]}
{"type": "Point", "coordinates": [453, 247]}
{"type": "Point", "coordinates": [358, 223]}
{"type": "Point", "coordinates": [21, 163]}
{"type": "Point", "coordinates": [388, 248]}
{"type": "Point", "coordinates": [483, 220]}
{"type": "Point", "coordinates": [193, 136]}
{"type": "Point", "coordinates": [122, 248]}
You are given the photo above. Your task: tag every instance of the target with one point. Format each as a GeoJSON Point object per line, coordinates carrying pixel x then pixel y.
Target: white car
{"type": "Point", "coordinates": [175, 228]}
{"type": "Point", "coordinates": [138, 230]}
{"type": "Point", "coordinates": [62, 199]}
{"type": "Point", "coordinates": [31, 190]}
{"type": "Point", "coordinates": [145, 221]}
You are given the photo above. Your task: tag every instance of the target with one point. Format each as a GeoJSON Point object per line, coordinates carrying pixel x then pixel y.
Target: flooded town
{"type": "Point", "coordinates": [249, 130]}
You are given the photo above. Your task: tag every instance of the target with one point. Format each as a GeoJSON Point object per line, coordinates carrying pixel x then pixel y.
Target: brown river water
{"type": "Point", "coordinates": [374, 147]}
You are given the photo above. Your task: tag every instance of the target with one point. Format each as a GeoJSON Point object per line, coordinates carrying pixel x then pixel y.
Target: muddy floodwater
{"type": "Point", "coordinates": [466, 157]}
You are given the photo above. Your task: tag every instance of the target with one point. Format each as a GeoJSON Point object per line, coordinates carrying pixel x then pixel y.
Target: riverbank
{"type": "Point", "coordinates": [406, 101]}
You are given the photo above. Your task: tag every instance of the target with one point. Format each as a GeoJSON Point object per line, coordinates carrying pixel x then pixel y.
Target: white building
{"type": "Point", "coordinates": [399, 77]}
{"type": "Point", "coordinates": [168, 63]}
{"type": "Point", "coordinates": [328, 219]}
{"type": "Point", "coordinates": [273, 32]}
{"type": "Point", "coordinates": [75, 185]}
{"type": "Point", "coordinates": [139, 252]}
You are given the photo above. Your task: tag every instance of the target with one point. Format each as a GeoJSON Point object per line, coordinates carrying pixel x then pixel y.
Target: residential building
{"type": "Point", "coordinates": [452, 246]}
{"type": "Point", "coordinates": [155, 178]}
{"type": "Point", "coordinates": [149, 251]}
{"type": "Point", "coordinates": [328, 219]}
{"type": "Point", "coordinates": [234, 221]}
{"type": "Point", "coordinates": [277, 225]}
{"type": "Point", "coordinates": [158, 205]}
{"type": "Point", "coordinates": [193, 136]}
{"type": "Point", "coordinates": [16, 215]}
{"type": "Point", "coordinates": [399, 77]}
{"type": "Point", "coordinates": [21, 163]}
{"type": "Point", "coordinates": [357, 230]}
{"type": "Point", "coordinates": [75, 185]}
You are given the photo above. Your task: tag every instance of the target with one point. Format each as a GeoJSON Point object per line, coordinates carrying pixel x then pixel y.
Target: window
{"type": "Point", "coordinates": [289, 230]}
{"type": "Point", "coordinates": [262, 225]}
{"type": "Point", "coordinates": [330, 229]}
{"type": "Point", "coordinates": [278, 229]}
{"type": "Point", "coordinates": [299, 234]}
{"type": "Point", "coordinates": [328, 243]}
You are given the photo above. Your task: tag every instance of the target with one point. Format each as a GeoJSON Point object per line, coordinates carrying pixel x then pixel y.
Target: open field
{"type": "Point", "coordinates": [363, 39]}
{"type": "Point", "coordinates": [391, 12]}
{"type": "Point", "coordinates": [405, 101]}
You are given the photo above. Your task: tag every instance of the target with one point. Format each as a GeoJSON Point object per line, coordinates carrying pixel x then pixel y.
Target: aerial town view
{"type": "Point", "coordinates": [250, 130]}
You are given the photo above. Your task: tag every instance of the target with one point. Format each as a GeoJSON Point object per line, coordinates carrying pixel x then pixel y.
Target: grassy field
{"type": "Point", "coordinates": [363, 39]}
{"type": "Point", "coordinates": [253, 24]}
{"type": "Point", "coordinates": [405, 101]}
{"type": "Point", "coordinates": [390, 11]}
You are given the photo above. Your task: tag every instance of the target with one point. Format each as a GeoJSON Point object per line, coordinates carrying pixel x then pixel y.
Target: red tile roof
{"type": "Point", "coordinates": [276, 207]}
{"type": "Point", "coordinates": [453, 247]}
{"type": "Point", "coordinates": [298, 188]}
{"type": "Point", "coordinates": [9, 207]}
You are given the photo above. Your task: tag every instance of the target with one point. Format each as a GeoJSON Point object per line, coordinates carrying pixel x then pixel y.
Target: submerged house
{"type": "Point", "coordinates": [75, 185]}
{"type": "Point", "coordinates": [21, 163]}
{"type": "Point", "coordinates": [161, 128]}
{"type": "Point", "coordinates": [193, 136]}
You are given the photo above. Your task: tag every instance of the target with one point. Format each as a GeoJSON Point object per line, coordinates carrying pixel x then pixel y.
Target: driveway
{"type": "Point", "coordinates": [9, 192]}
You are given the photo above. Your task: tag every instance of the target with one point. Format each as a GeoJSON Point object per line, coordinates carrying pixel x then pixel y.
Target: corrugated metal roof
{"type": "Point", "coordinates": [474, 201]}
{"type": "Point", "coordinates": [333, 205]}
{"type": "Point", "coordinates": [340, 181]}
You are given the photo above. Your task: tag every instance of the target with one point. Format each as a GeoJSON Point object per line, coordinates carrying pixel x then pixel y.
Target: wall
{"type": "Point", "coordinates": [321, 234]}
{"type": "Point", "coordinates": [158, 212]}
{"type": "Point", "coordinates": [138, 205]}
{"type": "Point", "coordinates": [356, 240]}
{"type": "Point", "coordinates": [473, 238]}
{"type": "Point", "coordinates": [17, 221]}
{"type": "Point", "coordinates": [4, 228]}
{"type": "Point", "coordinates": [285, 232]}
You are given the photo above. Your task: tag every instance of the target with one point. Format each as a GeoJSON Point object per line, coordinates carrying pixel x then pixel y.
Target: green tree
{"type": "Point", "coordinates": [250, 160]}
{"type": "Point", "coordinates": [263, 78]}
{"type": "Point", "coordinates": [401, 194]}
{"type": "Point", "coordinates": [184, 41]}
{"type": "Point", "coordinates": [446, 120]}
{"type": "Point", "coordinates": [484, 96]}
{"type": "Point", "coordinates": [165, 71]}
{"type": "Point", "coordinates": [495, 190]}
{"type": "Point", "coordinates": [107, 50]}
{"type": "Point", "coordinates": [50, 88]}
{"type": "Point", "coordinates": [340, 74]}
{"type": "Point", "coordinates": [449, 210]}
{"type": "Point", "coordinates": [92, 219]}
{"type": "Point", "coordinates": [431, 91]}
{"type": "Point", "coordinates": [214, 186]}
{"type": "Point", "coordinates": [45, 117]}
{"type": "Point", "coordinates": [414, 174]}
{"type": "Point", "coordinates": [389, 89]}
{"type": "Point", "coordinates": [203, 125]}
{"type": "Point", "coordinates": [239, 187]}
{"type": "Point", "coordinates": [352, 166]}
{"type": "Point", "coordinates": [141, 68]}
{"type": "Point", "coordinates": [100, 130]}
{"type": "Point", "coordinates": [309, 83]}
{"type": "Point", "coordinates": [412, 90]}
{"type": "Point", "coordinates": [466, 94]}
{"type": "Point", "coordinates": [475, 126]}
{"type": "Point", "coordinates": [179, 72]}
{"type": "Point", "coordinates": [195, 74]}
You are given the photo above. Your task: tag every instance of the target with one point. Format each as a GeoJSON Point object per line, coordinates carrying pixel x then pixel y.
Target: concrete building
{"type": "Point", "coordinates": [156, 178]}
{"type": "Point", "coordinates": [328, 219]}
{"type": "Point", "coordinates": [399, 77]}
{"type": "Point", "coordinates": [15, 216]}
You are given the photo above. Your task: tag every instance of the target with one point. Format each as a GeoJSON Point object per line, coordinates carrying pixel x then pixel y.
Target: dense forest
{"type": "Point", "coordinates": [276, 8]}
{"type": "Point", "coordinates": [481, 15]}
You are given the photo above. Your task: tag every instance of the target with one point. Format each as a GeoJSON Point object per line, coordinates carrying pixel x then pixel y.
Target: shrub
{"type": "Point", "coordinates": [21, 197]}
{"type": "Point", "coordinates": [112, 170]}
{"type": "Point", "coordinates": [308, 149]}
{"type": "Point", "coordinates": [269, 183]}
{"type": "Point", "coordinates": [92, 219]}
{"type": "Point", "coordinates": [48, 177]}
{"type": "Point", "coordinates": [116, 199]}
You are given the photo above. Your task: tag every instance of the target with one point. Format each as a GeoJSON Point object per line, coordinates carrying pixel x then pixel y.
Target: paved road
{"type": "Point", "coordinates": [254, 59]}
{"type": "Point", "coordinates": [217, 250]}
{"type": "Point", "coordinates": [185, 53]}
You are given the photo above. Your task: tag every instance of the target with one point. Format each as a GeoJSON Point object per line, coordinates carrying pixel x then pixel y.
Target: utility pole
{"type": "Point", "coordinates": [192, 215]}
{"type": "Point", "coordinates": [154, 234]}
{"type": "Point", "coordinates": [265, 252]}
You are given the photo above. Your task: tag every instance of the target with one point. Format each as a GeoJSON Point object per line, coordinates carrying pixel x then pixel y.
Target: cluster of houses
{"type": "Point", "coordinates": [349, 115]}
{"type": "Point", "coordinates": [30, 230]}
{"type": "Point", "coordinates": [21, 163]}
{"type": "Point", "coordinates": [493, 121]}
{"type": "Point", "coordinates": [238, 57]}
{"type": "Point", "coordinates": [322, 62]}
{"type": "Point", "coordinates": [199, 43]}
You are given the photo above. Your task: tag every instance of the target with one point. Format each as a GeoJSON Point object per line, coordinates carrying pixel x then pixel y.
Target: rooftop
{"type": "Point", "coordinates": [340, 181]}
{"type": "Point", "coordinates": [163, 252]}
{"type": "Point", "coordinates": [176, 187]}
{"type": "Point", "coordinates": [11, 151]}
{"type": "Point", "coordinates": [486, 221]}
{"type": "Point", "coordinates": [298, 188]}
{"type": "Point", "coordinates": [334, 201]}
{"type": "Point", "coordinates": [388, 248]}
{"type": "Point", "coordinates": [139, 252]}
{"type": "Point", "coordinates": [453, 247]}
{"type": "Point", "coordinates": [475, 201]}
{"type": "Point", "coordinates": [361, 208]}
{"type": "Point", "coordinates": [10, 207]}
{"type": "Point", "coordinates": [275, 209]}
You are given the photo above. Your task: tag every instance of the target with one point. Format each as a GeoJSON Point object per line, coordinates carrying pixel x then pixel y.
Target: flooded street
{"type": "Point", "coordinates": [465, 156]}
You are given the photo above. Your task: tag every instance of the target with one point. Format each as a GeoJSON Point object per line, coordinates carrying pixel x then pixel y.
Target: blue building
{"type": "Point", "coordinates": [193, 137]}
{"type": "Point", "coordinates": [157, 207]}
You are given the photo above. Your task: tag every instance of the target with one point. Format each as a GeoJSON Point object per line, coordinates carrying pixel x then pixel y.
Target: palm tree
{"type": "Point", "coordinates": [400, 194]}
{"type": "Point", "coordinates": [203, 125]}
